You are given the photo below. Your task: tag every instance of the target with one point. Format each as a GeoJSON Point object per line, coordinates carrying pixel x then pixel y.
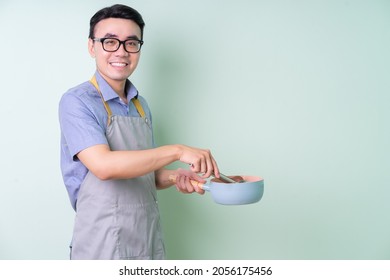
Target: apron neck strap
{"type": "Point", "coordinates": [108, 109]}
{"type": "Point", "coordinates": [135, 101]}
{"type": "Point", "coordinates": [138, 106]}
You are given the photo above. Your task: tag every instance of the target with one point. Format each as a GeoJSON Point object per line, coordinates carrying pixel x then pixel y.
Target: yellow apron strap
{"type": "Point", "coordinates": [138, 106]}
{"type": "Point", "coordinates": [135, 101]}
{"type": "Point", "coordinates": [108, 109]}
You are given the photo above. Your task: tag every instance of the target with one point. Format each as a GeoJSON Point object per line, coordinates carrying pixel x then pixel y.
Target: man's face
{"type": "Point", "coordinates": [119, 65]}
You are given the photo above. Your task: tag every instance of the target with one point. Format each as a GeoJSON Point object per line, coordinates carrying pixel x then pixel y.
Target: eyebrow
{"type": "Point", "coordinates": [111, 35]}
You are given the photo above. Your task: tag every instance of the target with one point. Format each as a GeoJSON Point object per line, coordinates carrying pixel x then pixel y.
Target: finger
{"type": "Point", "coordinates": [196, 177]}
{"type": "Point", "coordinates": [210, 168]}
{"type": "Point", "coordinates": [199, 190]}
{"type": "Point", "coordinates": [180, 182]}
{"type": "Point", "coordinates": [215, 167]}
{"type": "Point", "coordinates": [188, 185]}
{"type": "Point", "coordinates": [203, 165]}
{"type": "Point", "coordinates": [196, 186]}
{"type": "Point", "coordinates": [209, 165]}
{"type": "Point", "coordinates": [180, 189]}
{"type": "Point", "coordinates": [195, 167]}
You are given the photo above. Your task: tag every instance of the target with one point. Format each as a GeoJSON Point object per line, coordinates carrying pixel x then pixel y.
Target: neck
{"type": "Point", "coordinates": [117, 86]}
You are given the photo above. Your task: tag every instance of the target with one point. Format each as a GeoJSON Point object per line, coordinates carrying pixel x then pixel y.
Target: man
{"type": "Point", "coordinates": [109, 162]}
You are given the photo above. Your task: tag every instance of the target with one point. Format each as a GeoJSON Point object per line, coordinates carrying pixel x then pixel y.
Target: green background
{"type": "Point", "coordinates": [296, 92]}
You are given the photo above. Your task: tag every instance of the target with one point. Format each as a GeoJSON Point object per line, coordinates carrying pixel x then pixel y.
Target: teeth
{"type": "Point", "coordinates": [118, 64]}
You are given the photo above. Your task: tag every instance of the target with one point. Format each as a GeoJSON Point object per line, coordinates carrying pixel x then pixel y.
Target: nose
{"type": "Point", "coordinates": [121, 50]}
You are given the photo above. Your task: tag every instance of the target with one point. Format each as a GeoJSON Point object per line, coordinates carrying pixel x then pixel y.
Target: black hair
{"type": "Point", "coordinates": [116, 11]}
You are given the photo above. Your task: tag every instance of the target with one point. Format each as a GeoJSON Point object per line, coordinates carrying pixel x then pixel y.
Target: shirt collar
{"type": "Point", "coordinates": [108, 93]}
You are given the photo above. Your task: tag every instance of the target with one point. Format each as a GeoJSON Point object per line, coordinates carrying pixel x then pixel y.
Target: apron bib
{"type": "Point", "coordinates": [119, 219]}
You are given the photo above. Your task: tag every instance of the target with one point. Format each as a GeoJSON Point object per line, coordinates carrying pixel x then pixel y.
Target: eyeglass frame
{"type": "Point", "coordinates": [101, 40]}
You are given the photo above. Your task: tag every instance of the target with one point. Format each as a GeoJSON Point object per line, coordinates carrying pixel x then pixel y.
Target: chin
{"type": "Point", "coordinates": [120, 77]}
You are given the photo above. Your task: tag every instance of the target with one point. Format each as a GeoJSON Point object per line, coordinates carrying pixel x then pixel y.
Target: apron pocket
{"type": "Point", "coordinates": [138, 231]}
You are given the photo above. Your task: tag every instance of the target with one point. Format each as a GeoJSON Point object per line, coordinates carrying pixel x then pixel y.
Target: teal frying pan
{"type": "Point", "coordinates": [247, 192]}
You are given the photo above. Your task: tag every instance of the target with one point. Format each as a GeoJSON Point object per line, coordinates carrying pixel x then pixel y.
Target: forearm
{"type": "Point", "coordinates": [130, 164]}
{"type": "Point", "coordinates": [107, 164]}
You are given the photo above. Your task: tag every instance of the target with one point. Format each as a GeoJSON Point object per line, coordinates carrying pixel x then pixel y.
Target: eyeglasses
{"type": "Point", "coordinates": [113, 44]}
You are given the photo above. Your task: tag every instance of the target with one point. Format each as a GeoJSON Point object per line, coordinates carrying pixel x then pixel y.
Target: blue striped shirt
{"type": "Point", "coordinates": [83, 122]}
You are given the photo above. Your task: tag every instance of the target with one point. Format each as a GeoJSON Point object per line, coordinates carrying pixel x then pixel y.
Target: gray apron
{"type": "Point", "coordinates": [119, 219]}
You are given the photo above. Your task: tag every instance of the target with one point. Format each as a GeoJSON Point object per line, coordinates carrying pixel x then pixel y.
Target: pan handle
{"type": "Point", "coordinates": [172, 178]}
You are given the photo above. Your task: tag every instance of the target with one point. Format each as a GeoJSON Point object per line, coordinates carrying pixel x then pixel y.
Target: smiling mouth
{"type": "Point", "coordinates": [119, 64]}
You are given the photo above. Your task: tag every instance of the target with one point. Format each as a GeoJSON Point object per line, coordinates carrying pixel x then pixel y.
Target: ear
{"type": "Point", "coordinates": [91, 47]}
